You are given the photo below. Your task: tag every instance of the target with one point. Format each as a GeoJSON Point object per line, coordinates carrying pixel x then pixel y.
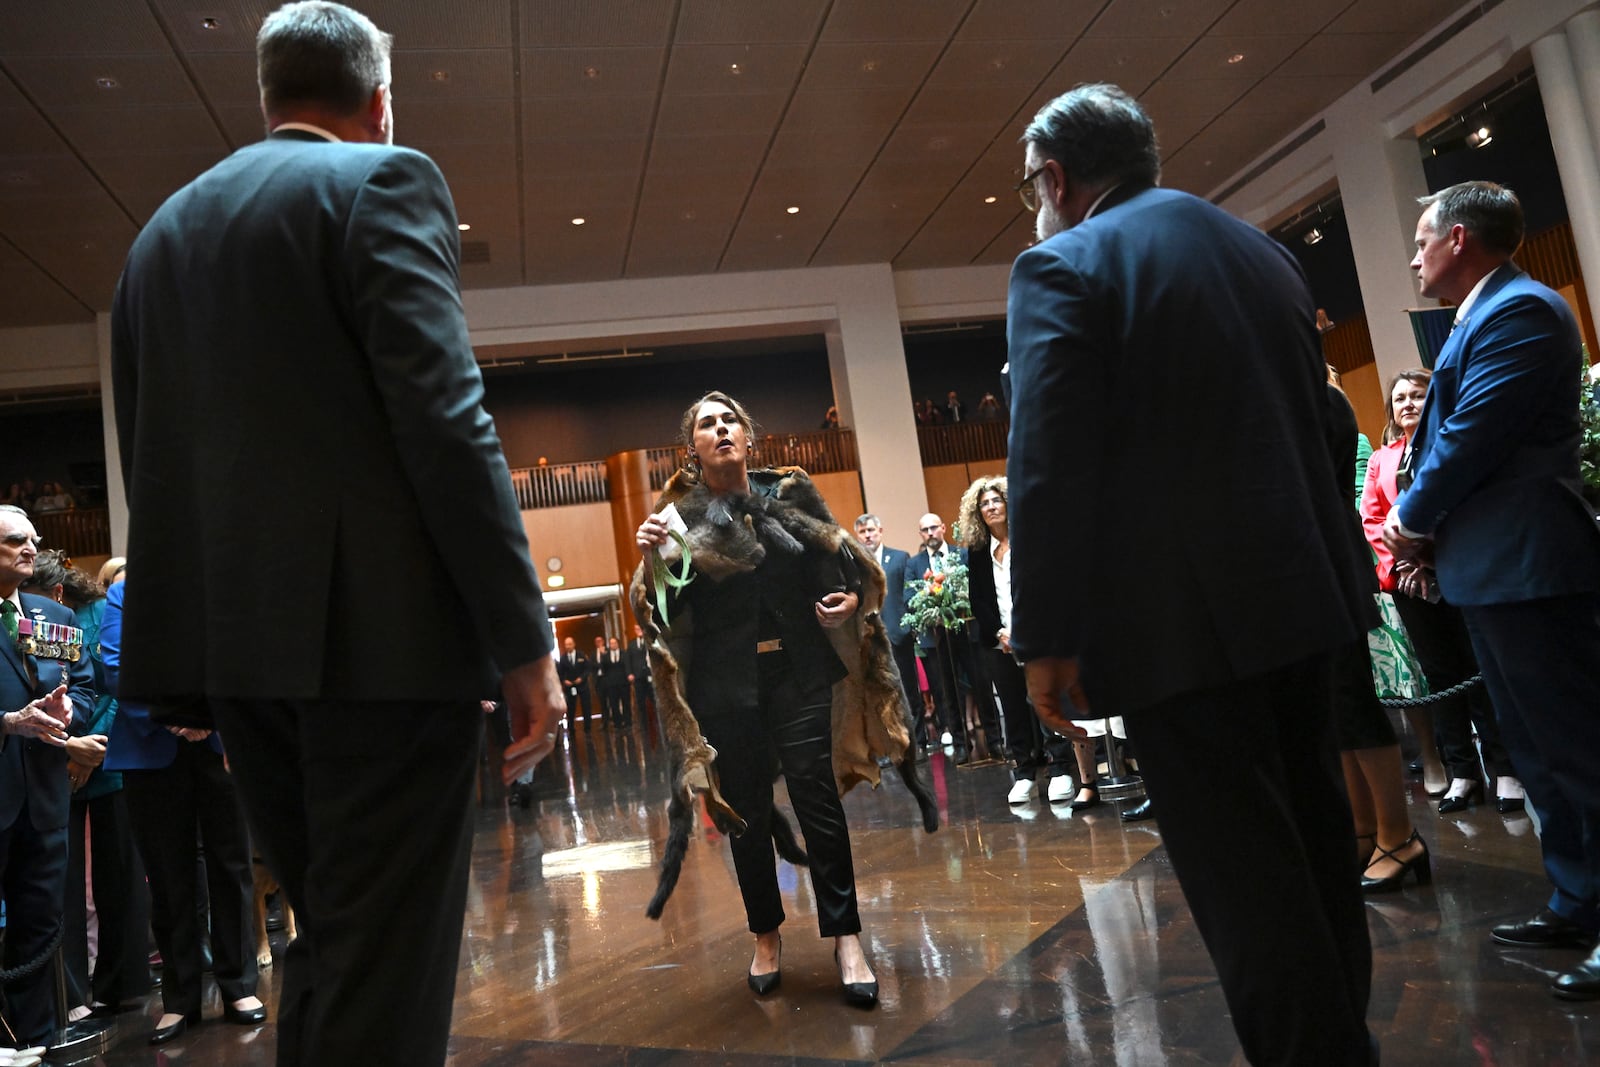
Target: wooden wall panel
{"type": "Point", "coordinates": [1365, 391]}
{"type": "Point", "coordinates": [581, 536]}
{"type": "Point", "coordinates": [842, 491]}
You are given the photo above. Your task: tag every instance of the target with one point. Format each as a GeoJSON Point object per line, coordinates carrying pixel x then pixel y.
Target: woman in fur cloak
{"type": "Point", "coordinates": [770, 658]}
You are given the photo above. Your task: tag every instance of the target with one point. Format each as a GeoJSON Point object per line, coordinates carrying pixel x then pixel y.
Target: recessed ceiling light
{"type": "Point", "coordinates": [870, 66]}
{"type": "Point", "coordinates": [556, 581]}
{"type": "Point", "coordinates": [210, 24]}
{"type": "Point", "coordinates": [591, 73]}
{"type": "Point", "coordinates": [107, 83]}
{"type": "Point", "coordinates": [793, 209]}
{"type": "Point", "coordinates": [990, 199]}
{"type": "Point", "coordinates": [733, 68]}
{"type": "Point", "coordinates": [579, 221]}
{"type": "Point", "coordinates": [1237, 57]}
{"type": "Point", "coordinates": [439, 75]}
{"type": "Point", "coordinates": [687, 215]}
{"type": "Point", "coordinates": [463, 226]}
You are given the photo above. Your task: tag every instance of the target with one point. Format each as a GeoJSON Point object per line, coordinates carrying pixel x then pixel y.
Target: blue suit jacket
{"type": "Point", "coordinates": [1175, 517]}
{"type": "Point", "coordinates": [35, 772]}
{"type": "Point", "coordinates": [895, 595]}
{"type": "Point", "coordinates": [1496, 480]}
{"type": "Point", "coordinates": [137, 742]}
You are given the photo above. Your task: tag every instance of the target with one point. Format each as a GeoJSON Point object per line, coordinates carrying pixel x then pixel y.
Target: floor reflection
{"type": "Point", "coordinates": [1015, 935]}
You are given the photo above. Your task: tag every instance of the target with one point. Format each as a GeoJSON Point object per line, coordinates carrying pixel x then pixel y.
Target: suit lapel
{"type": "Point", "coordinates": [14, 658]}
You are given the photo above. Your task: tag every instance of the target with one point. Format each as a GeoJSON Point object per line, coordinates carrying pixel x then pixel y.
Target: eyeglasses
{"type": "Point", "coordinates": [17, 540]}
{"type": "Point", "coordinates": [930, 529]}
{"type": "Point", "coordinates": [1027, 193]}
{"type": "Point", "coordinates": [995, 503]}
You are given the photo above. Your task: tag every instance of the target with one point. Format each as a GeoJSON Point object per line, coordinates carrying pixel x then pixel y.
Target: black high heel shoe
{"type": "Point", "coordinates": [762, 984]}
{"type": "Point", "coordinates": [856, 994]}
{"type": "Point", "coordinates": [1452, 804]}
{"type": "Point", "coordinates": [1094, 797]}
{"type": "Point", "coordinates": [1420, 865]}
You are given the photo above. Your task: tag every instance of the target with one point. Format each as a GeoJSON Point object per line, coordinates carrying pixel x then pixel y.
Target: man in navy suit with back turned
{"type": "Point", "coordinates": [1203, 613]}
{"type": "Point", "coordinates": [331, 565]}
{"type": "Point", "coordinates": [1495, 489]}
{"type": "Point", "coordinates": [38, 698]}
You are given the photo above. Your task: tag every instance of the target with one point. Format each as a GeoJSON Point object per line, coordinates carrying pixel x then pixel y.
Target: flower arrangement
{"type": "Point", "coordinates": [942, 601]}
{"type": "Point", "coordinates": [1589, 441]}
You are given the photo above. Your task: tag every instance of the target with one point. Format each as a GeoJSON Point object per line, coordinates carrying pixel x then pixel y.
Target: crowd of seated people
{"type": "Point", "coordinates": [47, 496]}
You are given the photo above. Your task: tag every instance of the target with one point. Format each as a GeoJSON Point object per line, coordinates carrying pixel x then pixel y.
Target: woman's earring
{"type": "Point", "coordinates": [691, 460]}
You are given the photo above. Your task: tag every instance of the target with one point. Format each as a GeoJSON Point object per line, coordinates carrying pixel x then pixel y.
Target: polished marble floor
{"type": "Point", "coordinates": [1016, 935]}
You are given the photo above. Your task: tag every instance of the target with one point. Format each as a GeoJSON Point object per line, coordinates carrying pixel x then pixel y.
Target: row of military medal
{"type": "Point", "coordinates": [49, 640]}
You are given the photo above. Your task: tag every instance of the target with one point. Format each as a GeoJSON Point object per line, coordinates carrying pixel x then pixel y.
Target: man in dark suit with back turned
{"type": "Point", "coordinates": [39, 696]}
{"type": "Point", "coordinates": [1203, 613]}
{"type": "Point", "coordinates": [1495, 487]}
{"type": "Point", "coordinates": [331, 566]}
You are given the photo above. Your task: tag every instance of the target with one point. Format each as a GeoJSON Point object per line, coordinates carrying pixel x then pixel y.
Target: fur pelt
{"type": "Point", "coordinates": [870, 717]}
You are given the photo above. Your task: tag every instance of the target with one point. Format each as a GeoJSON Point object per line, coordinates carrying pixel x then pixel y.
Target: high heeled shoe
{"type": "Point", "coordinates": [1093, 789]}
{"type": "Point", "coordinates": [1505, 801]}
{"type": "Point", "coordinates": [1461, 801]}
{"type": "Point", "coordinates": [856, 994]}
{"type": "Point", "coordinates": [762, 984]}
{"type": "Point", "coordinates": [1421, 865]}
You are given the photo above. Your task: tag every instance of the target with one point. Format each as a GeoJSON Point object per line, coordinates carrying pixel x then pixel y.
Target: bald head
{"type": "Point", "coordinates": [931, 530]}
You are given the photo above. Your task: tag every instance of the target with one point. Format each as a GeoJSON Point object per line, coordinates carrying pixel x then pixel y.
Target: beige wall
{"type": "Point", "coordinates": [1365, 391]}
{"type": "Point", "coordinates": [581, 536]}
{"type": "Point", "coordinates": [945, 486]}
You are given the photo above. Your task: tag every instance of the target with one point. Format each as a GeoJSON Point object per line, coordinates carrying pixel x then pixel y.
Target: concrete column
{"type": "Point", "coordinates": [1380, 178]}
{"type": "Point", "coordinates": [1574, 143]}
{"type": "Point", "coordinates": [116, 494]}
{"type": "Point", "coordinates": [1583, 41]}
{"type": "Point", "coordinates": [873, 392]}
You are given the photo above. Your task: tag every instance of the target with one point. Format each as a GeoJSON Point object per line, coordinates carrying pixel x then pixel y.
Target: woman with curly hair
{"type": "Point", "coordinates": [986, 532]}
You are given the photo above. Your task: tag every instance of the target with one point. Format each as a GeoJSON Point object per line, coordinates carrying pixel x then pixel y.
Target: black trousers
{"type": "Point", "coordinates": [576, 695]}
{"type": "Point", "coordinates": [905, 661]}
{"type": "Point", "coordinates": [1541, 661]}
{"type": "Point", "coordinates": [1444, 648]}
{"type": "Point", "coordinates": [643, 693]}
{"type": "Point", "coordinates": [1263, 855]}
{"type": "Point", "coordinates": [791, 729]}
{"type": "Point", "coordinates": [121, 904]}
{"type": "Point", "coordinates": [615, 696]}
{"type": "Point", "coordinates": [1028, 746]}
{"type": "Point", "coordinates": [33, 877]}
{"type": "Point", "coordinates": [948, 663]}
{"type": "Point", "coordinates": [167, 808]}
{"type": "Point", "coordinates": [362, 834]}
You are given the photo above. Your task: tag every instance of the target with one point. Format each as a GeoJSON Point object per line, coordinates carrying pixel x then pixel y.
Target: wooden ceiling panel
{"type": "Point", "coordinates": [456, 121]}
{"type": "Point", "coordinates": [86, 212]}
{"type": "Point", "coordinates": [228, 80]}
{"type": "Point", "coordinates": [1413, 18]}
{"type": "Point", "coordinates": [1024, 63]}
{"type": "Point", "coordinates": [603, 200]}
{"type": "Point", "coordinates": [671, 253]}
{"type": "Point", "coordinates": [767, 251]}
{"type": "Point", "coordinates": [937, 155]}
{"type": "Point", "coordinates": [1131, 62]}
{"type": "Point", "coordinates": [457, 24]}
{"type": "Point", "coordinates": [1012, 242]}
{"type": "Point", "coordinates": [995, 103]}
{"type": "Point", "coordinates": [956, 233]}
{"type": "Point", "coordinates": [1157, 18]}
{"type": "Point", "coordinates": [581, 72]}
{"type": "Point", "coordinates": [233, 28]}
{"type": "Point", "coordinates": [143, 182]}
{"type": "Point", "coordinates": [1022, 20]}
{"type": "Point", "coordinates": [847, 148]}
{"type": "Point", "coordinates": [574, 253]}
{"type": "Point", "coordinates": [596, 23]}
{"type": "Point", "coordinates": [1351, 55]}
{"type": "Point", "coordinates": [73, 81]}
{"type": "Point", "coordinates": [707, 153]}
{"type": "Point", "coordinates": [29, 297]}
{"type": "Point", "coordinates": [878, 65]}
{"type": "Point", "coordinates": [23, 131]}
{"type": "Point", "coordinates": [874, 108]}
{"type": "Point", "coordinates": [90, 273]}
{"type": "Point", "coordinates": [719, 22]}
{"type": "Point", "coordinates": [889, 20]}
{"type": "Point", "coordinates": [755, 113]}
{"type": "Point", "coordinates": [477, 161]}
{"type": "Point", "coordinates": [1303, 17]}
{"type": "Point", "coordinates": [583, 158]}
{"type": "Point", "coordinates": [734, 68]}
{"type": "Point", "coordinates": [555, 118]}
{"type": "Point", "coordinates": [452, 74]}
{"type": "Point", "coordinates": [244, 125]}
{"type": "Point", "coordinates": [96, 132]}
{"type": "Point", "coordinates": [1211, 59]}
{"type": "Point", "coordinates": [1288, 93]}
{"type": "Point", "coordinates": [78, 27]}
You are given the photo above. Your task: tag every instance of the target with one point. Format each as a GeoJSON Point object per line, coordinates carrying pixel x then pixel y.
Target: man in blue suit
{"type": "Point", "coordinates": [39, 695]}
{"type": "Point", "coordinates": [869, 531]}
{"type": "Point", "coordinates": [1495, 494]}
{"type": "Point", "coordinates": [1201, 611]}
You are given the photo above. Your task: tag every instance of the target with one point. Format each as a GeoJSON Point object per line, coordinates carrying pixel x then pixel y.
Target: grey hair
{"type": "Point", "coordinates": [1489, 212]}
{"type": "Point", "coordinates": [1100, 136]}
{"type": "Point", "coordinates": [320, 54]}
{"type": "Point", "coordinates": [12, 509]}
{"type": "Point", "coordinates": [862, 520]}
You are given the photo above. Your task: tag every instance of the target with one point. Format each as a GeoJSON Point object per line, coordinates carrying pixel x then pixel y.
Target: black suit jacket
{"type": "Point", "coordinates": [572, 672]}
{"type": "Point", "coordinates": [638, 659]}
{"type": "Point", "coordinates": [35, 772]}
{"type": "Point", "coordinates": [612, 675]}
{"type": "Point", "coordinates": [1175, 519]}
{"type": "Point", "coordinates": [319, 506]}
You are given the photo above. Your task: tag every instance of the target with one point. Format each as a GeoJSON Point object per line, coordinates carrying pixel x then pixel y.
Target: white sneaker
{"type": "Point", "coordinates": [1021, 792]}
{"type": "Point", "coordinates": [1060, 789]}
{"type": "Point", "coordinates": [946, 739]}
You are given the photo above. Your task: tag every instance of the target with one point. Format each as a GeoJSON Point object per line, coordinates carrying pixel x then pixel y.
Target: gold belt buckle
{"type": "Point", "coordinates": [775, 645]}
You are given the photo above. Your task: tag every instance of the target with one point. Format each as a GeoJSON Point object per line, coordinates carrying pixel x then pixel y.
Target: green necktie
{"type": "Point", "coordinates": [8, 611]}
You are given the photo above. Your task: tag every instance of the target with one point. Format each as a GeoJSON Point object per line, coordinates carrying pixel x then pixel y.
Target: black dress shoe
{"type": "Point", "coordinates": [856, 994]}
{"type": "Point", "coordinates": [1140, 812]}
{"type": "Point", "coordinates": [1094, 798]}
{"type": "Point", "coordinates": [1544, 930]}
{"type": "Point", "coordinates": [162, 1034]}
{"type": "Point", "coordinates": [1461, 802]}
{"type": "Point", "coordinates": [1420, 865]}
{"type": "Point", "coordinates": [1580, 983]}
{"type": "Point", "coordinates": [762, 984]}
{"type": "Point", "coordinates": [1509, 805]}
{"type": "Point", "coordinates": [244, 1016]}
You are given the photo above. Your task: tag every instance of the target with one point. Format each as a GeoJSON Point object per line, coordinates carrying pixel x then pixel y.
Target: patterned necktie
{"type": "Point", "coordinates": [8, 611]}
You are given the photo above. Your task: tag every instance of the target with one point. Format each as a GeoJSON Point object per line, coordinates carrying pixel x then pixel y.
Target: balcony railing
{"type": "Point", "coordinates": [817, 452]}
{"type": "Point", "coordinates": [79, 532]}
{"type": "Point", "coordinates": [962, 442]}
{"type": "Point", "coordinates": [561, 484]}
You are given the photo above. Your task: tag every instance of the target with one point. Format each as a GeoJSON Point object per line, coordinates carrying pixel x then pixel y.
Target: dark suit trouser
{"type": "Point", "coordinates": [793, 726]}
{"type": "Point", "coordinates": [165, 807]}
{"type": "Point", "coordinates": [362, 833]}
{"type": "Point", "coordinates": [942, 665]}
{"type": "Point", "coordinates": [616, 700]}
{"type": "Point", "coordinates": [1263, 855]}
{"type": "Point", "coordinates": [1027, 744]}
{"type": "Point", "coordinates": [1541, 662]}
{"type": "Point", "coordinates": [642, 694]}
{"type": "Point", "coordinates": [1444, 648]}
{"type": "Point", "coordinates": [121, 904]}
{"type": "Point", "coordinates": [905, 661]}
{"type": "Point", "coordinates": [34, 881]}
